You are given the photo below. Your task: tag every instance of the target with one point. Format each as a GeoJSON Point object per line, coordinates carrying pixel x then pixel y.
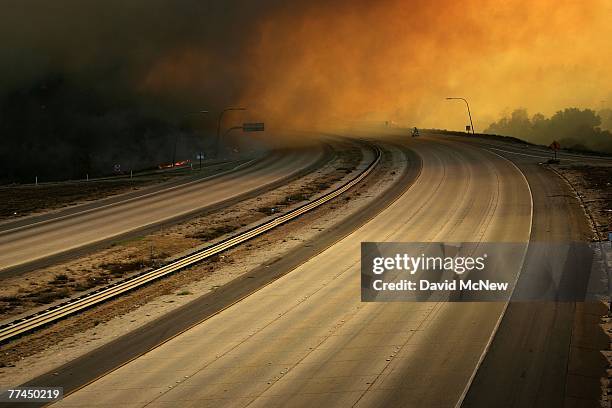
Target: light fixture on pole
{"type": "Point", "coordinates": [468, 109]}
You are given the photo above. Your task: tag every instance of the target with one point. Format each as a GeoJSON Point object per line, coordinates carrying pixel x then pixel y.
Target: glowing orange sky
{"type": "Point", "coordinates": [323, 61]}
{"type": "Point", "coordinates": [397, 60]}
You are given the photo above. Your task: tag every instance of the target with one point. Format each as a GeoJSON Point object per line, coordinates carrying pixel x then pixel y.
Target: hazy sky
{"type": "Point", "coordinates": [305, 62]}
{"type": "Point", "coordinates": [399, 59]}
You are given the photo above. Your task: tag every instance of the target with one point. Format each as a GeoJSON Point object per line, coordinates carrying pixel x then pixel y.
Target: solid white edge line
{"type": "Point", "coordinates": [503, 313]}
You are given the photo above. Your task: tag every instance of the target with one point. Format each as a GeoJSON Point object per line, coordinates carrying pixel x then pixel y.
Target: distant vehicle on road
{"type": "Point", "coordinates": [415, 132]}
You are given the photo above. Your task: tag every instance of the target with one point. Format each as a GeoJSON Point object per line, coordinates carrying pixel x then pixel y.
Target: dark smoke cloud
{"type": "Point", "coordinates": [131, 49]}
{"type": "Point", "coordinates": [89, 78]}
{"type": "Point", "coordinates": [85, 85]}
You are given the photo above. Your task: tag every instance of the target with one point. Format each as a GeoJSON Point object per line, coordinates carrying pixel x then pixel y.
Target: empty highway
{"type": "Point", "coordinates": [306, 339]}
{"type": "Point", "coordinates": [27, 246]}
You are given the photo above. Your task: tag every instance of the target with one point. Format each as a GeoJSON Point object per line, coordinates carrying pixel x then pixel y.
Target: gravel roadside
{"type": "Point", "coordinates": [593, 186]}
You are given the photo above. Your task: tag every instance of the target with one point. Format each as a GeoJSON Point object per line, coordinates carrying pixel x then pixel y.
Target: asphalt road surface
{"type": "Point", "coordinates": [28, 245]}
{"type": "Point", "coordinates": [545, 354]}
{"type": "Point", "coordinates": [181, 176]}
{"type": "Point", "coordinates": [307, 340]}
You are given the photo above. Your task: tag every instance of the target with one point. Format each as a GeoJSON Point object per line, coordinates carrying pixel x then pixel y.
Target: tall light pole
{"type": "Point", "coordinates": [219, 126]}
{"type": "Point", "coordinates": [468, 109]}
{"type": "Point", "coordinates": [176, 137]}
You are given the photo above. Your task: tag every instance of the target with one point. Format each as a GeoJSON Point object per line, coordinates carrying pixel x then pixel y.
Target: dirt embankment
{"type": "Point", "coordinates": [594, 185]}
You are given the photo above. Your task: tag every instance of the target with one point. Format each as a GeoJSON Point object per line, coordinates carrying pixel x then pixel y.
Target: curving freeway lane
{"type": "Point", "coordinates": [34, 244]}
{"type": "Point", "coordinates": [307, 340]}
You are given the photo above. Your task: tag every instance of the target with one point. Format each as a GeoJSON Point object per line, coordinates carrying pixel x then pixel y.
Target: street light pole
{"type": "Point", "coordinates": [468, 109]}
{"type": "Point", "coordinates": [177, 135]}
{"type": "Point", "coordinates": [219, 126]}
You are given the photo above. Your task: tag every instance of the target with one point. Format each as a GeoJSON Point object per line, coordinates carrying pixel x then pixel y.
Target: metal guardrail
{"type": "Point", "coordinates": [28, 323]}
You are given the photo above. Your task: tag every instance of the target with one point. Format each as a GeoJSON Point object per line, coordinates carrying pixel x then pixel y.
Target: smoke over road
{"type": "Point", "coordinates": [127, 67]}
